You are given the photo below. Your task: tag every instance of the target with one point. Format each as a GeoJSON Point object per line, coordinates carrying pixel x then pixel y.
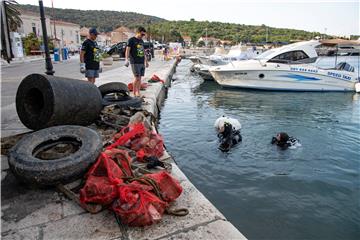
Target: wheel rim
{"type": "Point", "coordinates": [56, 149]}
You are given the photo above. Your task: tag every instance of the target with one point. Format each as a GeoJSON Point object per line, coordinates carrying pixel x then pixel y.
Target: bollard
{"type": "Point", "coordinates": [43, 101]}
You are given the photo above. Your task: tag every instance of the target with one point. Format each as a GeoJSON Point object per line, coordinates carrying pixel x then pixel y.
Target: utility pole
{"type": "Point", "coordinates": [267, 34]}
{"type": "Point", "coordinates": [49, 66]}
{"type": "Point", "coordinates": [325, 29]}
{"type": "Point", "coordinates": [206, 43]}
{"type": "Point", "coordinates": [53, 13]}
{"type": "Point", "coordinates": [62, 44]}
{"type": "Point", "coordinates": [149, 33]}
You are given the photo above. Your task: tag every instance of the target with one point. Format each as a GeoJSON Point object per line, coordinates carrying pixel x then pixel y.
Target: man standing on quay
{"type": "Point", "coordinates": [135, 50]}
{"type": "Point", "coordinates": [90, 57]}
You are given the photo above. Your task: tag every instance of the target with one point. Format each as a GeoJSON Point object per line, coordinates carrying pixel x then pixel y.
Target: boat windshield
{"type": "Point", "coordinates": [290, 57]}
{"type": "Point", "coordinates": [343, 66]}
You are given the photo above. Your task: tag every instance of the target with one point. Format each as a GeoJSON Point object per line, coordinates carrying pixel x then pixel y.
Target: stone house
{"type": "Point", "coordinates": [121, 34]}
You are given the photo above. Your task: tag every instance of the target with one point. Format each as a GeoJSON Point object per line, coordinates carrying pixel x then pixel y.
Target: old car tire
{"type": "Point", "coordinates": [43, 101]}
{"type": "Point", "coordinates": [114, 87]}
{"type": "Point", "coordinates": [32, 170]}
{"type": "Point", "coordinates": [108, 99]}
{"type": "Point", "coordinates": [131, 102]}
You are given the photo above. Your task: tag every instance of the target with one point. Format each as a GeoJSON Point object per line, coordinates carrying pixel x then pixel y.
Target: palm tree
{"type": "Point", "coordinates": [13, 14]}
{"type": "Point", "coordinates": [10, 21]}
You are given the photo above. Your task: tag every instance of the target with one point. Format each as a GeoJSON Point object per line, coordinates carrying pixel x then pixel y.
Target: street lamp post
{"type": "Point", "coordinates": [49, 66]}
{"type": "Point", "coordinates": [267, 34]}
{"type": "Point", "coordinates": [148, 35]}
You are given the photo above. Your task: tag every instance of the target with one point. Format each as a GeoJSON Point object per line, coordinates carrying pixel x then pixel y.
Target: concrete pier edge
{"type": "Point", "coordinates": [54, 217]}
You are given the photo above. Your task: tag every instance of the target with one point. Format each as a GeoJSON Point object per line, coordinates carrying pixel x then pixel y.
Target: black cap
{"type": "Point", "coordinates": [93, 31]}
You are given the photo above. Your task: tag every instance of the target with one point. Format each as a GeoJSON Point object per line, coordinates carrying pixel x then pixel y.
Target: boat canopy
{"type": "Point", "coordinates": [296, 52]}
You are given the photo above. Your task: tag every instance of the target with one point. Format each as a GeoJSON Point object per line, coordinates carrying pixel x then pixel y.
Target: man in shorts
{"type": "Point", "coordinates": [136, 54]}
{"type": "Point", "coordinates": [90, 57]}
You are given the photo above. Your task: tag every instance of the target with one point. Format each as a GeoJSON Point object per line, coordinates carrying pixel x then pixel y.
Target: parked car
{"type": "Point", "coordinates": [118, 48]}
{"type": "Point", "coordinates": [158, 45]}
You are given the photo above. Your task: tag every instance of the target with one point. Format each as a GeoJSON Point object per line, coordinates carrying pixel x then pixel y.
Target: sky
{"type": "Point", "coordinates": [335, 17]}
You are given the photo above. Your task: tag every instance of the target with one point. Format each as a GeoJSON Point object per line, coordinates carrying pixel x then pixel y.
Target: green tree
{"type": "Point", "coordinates": [237, 38]}
{"type": "Point", "coordinates": [201, 44]}
{"type": "Point", "coordinates": [211, 43]}
{"type": "Point", "coordinates": [174, 36]}
{"type": "Point", "coordinates": [50, 44]}
{"type": "Point", "coordinates": [31, 42]}
{"type": "Point", "coordinates": [194, 39]}
{"type": "Point", "coordinates": [162, 29]}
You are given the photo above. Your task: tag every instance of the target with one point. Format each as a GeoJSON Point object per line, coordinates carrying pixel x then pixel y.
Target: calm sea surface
{"type": "Point", "coordinates": [312, 192]}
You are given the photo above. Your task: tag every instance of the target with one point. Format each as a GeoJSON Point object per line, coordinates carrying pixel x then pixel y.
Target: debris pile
{"type": "Point", "coordinates": [138, 199]}
{"type": "Point", "coordinates": [124, 169]}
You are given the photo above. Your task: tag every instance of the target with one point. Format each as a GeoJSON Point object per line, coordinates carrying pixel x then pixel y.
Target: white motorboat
{"type": "Point", "coordinates": [218, 53]}
{"type": "Point", "coordinates": [203, 71]}
{"type": "Point", "coordinates": [236, 53]}
{"type": "Point", "coordinates": [287, 68]}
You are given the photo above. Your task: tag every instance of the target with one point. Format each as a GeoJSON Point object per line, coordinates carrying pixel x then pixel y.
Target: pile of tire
{"type": "Point", "coordinates": [62, 150]}
{"type": "Point", "coordinates": [118, 93]}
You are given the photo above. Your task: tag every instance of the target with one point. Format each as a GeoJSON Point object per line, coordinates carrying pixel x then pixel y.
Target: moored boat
{"type": "Point", "coordinates": [287, 68]}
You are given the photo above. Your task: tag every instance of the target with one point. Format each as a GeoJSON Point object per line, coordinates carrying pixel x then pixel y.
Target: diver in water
{"type": "Point", "coordinates": [283, 140]}
{"type": "Point", "coordinates": [228, 132]}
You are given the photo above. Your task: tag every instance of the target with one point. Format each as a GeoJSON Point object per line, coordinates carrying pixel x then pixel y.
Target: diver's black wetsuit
{"type": "Point", "coordinates": [284, 144]}
{"type": "Point", "coordinates": [229, 137]}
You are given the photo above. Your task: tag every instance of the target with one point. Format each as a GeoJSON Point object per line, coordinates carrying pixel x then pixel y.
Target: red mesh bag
{"type": "Point", "coordinates": [143, 141]}
{"type": "Point", "coordinates": [123, 160]}
{"type": "Point", "coordinates": [102, 178]}
{"type": "Point", "coordinates": [147, 145]}
{"type": "Point", "coordinates": [170, 188]}
{"type": "Point", "coordinates": [127, 134]}
{"type": "Point", "coordinates": [137, 203]}
{"type": "Point", "coordinates": [98, 190]}
{"type": "Point", "coordinates": [138, 207]}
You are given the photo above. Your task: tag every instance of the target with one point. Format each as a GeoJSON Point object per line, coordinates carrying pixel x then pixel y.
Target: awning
{"type": "Point", "coordinates": [333, 42]}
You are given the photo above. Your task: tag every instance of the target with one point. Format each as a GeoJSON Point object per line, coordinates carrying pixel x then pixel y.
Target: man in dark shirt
{"type": "Point", "coordinates": [136, 53]}
{"type": "Point", "coordinates": [90, 57]}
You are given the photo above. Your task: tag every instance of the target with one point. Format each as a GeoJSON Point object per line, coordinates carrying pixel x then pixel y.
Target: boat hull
{"type": "Point", "coordinates": [206, 75]}
{"type": "Point", "coordinates": [275, 80]}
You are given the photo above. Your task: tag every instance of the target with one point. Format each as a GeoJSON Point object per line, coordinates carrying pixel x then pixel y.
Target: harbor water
{"type": "Point", "coordinates": [311, 192]}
